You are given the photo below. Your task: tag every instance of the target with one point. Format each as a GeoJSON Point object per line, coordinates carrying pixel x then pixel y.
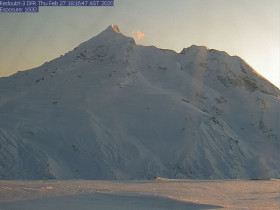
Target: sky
{"type": "Point", "coordinates": [249, 29]}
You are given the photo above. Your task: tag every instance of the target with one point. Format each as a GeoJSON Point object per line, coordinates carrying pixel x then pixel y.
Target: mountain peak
{"type": "Point", "coordinates": [194, 49]}
{"type": "Point", "coordinates": [115, 28]}
{"type": "Point", "coordinates": [111, 34]}
{"type": "Point", "coordinates": [112, 29]}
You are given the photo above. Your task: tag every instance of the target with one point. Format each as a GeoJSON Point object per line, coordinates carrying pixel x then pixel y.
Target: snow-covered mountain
{"type": "Point", "coordinates": [111, 109]}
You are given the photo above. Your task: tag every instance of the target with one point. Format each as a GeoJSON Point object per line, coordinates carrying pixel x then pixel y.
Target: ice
{"type": "Point", "coordinates": [160, 194]}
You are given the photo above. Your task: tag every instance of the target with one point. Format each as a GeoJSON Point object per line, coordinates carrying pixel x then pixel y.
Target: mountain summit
{"type": "Point", "coordinates": [110, 109]}
{"type": "Point", "coordinates": [115, 28]}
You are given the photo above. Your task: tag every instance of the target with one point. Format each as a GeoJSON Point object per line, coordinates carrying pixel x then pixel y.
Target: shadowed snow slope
{"type": "Point", "coordinates": [111, 109]}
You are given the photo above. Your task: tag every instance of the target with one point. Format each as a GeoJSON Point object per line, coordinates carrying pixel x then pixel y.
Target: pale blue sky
{"type": "Point", "coordinates": [247, 28]}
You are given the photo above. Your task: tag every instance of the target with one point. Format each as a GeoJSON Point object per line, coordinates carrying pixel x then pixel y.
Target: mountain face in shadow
{"type": "Point", "coordinates": [111, 109]}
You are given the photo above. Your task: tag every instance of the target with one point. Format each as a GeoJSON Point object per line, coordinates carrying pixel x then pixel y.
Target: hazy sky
{"type": "Point", "coordinates": [247, 28]}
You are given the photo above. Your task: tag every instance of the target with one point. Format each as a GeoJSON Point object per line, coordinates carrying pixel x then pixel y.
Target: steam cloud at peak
{"type": "Point", "coordinates": [138, 35]}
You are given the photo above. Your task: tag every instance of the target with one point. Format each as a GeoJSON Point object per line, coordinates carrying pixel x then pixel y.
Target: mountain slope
{"type": "Point", "coordinates": [111, 109]}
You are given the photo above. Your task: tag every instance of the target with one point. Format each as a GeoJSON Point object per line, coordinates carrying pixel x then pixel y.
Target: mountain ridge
{"type": "Point", "coordinates": [111, 109]}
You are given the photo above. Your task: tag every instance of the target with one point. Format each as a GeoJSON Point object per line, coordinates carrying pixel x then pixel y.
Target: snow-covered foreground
{"type": "Point", "coordinates": [155, 194]}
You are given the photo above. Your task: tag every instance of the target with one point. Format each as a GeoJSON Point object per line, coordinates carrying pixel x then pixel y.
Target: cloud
{"type": "Point", "coordinates": [138, 35]}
